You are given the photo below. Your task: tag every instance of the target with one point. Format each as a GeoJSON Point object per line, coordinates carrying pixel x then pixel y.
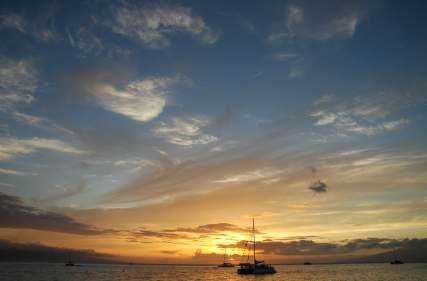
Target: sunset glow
{"type": "Point", "coordinates": [154, 132]}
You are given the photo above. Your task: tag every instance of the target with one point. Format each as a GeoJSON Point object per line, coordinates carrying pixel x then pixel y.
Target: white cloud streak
{"type": "Point", "coordinates": [16, 172]}
{"type": "Point", "coordinates": [18, 81]}
{"type": "Point", "coordinates": [364, 116]}
{"type": "Point", "coordinates": [11, 148]}
{"type": "Point", "coordinates": [266, 174]}
{"type": "Point", "coordinates": [184, 131]}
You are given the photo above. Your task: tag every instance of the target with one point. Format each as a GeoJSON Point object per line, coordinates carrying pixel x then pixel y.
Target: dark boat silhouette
{"type": "Point", "coordinates": [226, 264]}
{"type": "Point", "coordinates": [257, 267]}
{"type": "Point", "coordinates": [70, 262]}
{"type": "Point", "coordinates": [307, 263]}
{"type": "Point", "coordinates": [396, 260]}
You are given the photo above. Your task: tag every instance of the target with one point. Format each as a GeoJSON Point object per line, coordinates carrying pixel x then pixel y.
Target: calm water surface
{"type": "Point", "coordinates": [59, 272]}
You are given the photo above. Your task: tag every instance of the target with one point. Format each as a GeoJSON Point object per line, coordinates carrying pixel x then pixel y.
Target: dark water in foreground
{"type": "Point", "coordinates": [359, 272]}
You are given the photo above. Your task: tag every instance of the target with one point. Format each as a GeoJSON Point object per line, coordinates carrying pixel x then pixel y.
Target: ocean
{"type": "Point", "coordinates": [93, 272]}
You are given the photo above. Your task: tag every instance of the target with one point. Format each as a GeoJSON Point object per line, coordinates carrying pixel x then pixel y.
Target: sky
{"type": "Point", "coordinates": [156, 130]}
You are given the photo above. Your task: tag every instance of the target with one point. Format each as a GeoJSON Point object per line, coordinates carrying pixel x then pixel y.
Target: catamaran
{"type": "Point", "coordinates": [257, 267]}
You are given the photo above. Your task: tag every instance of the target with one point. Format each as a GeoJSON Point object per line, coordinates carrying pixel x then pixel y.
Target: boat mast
{"type": "Point", "coordinates": [253, 232]}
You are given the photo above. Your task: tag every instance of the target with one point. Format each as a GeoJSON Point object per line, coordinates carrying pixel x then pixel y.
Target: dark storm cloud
{"type": "Point", "coordinates": [15, 214]}
{"type": "Point", "coordinates": [10, 251]}
{"type": "Point", "coordinates": [211, 228]}
{"type": "Point", "coordinates": [310, 247]}
{"type": "Point", "coordinates": [169, 252]}
{"type": "Point", "coordinates": [157, 234]}
{"type": "Point", "coordinates": [189, 233]}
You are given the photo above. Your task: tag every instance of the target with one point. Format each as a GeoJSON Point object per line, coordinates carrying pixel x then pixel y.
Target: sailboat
{"type": "Point", "coordinates": [69, 262]}
{"type": "Point", "coordinates": [396, 260]}
{"type": "Point", "coordinates": [257, 267]}
{"type": "Point", "coordinates": [224, 263]}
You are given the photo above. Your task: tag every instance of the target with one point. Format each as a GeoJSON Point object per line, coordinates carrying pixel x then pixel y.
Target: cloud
{"type": "Point", "coordinates": [179, 179]}
{"type": "Point", "coordinates": [198, 233]}
{"type": "Point", "coordinates": [153, 25]}
{"type": "Point", "coordinates": [325, 99]}
{"type": "Point", "coordinates": [37, 30]}
{"type": "Point", "coordinates": [27, 118]}
{"type": "Point", "coordinates": [141, 100]}
{"type": "Point", "coordinates": [62, 192]}
{"type": "Point", "coordinates": [211, 228]}
{"type": "Point", "coordinates": [297, 69]}
{"type": "Point", "coordinates": [169, 252]}
{"type": "Point", "coordinates": [31, 252]}
{"type": "Point", "coordinates": [323, 21]}
{"type": "Point", "coordinates": [184, 131]}
{"type": "Point", "coordinates": [14, 21]}
{"type": "Point", "coordinates": [13, 147]}
{"type": "Point", "coordinates": [15, 214]}
{"type": "Point", "coordinates": [18, 82]}
{"type": "Point", "coordinates": [266, 173]}
{"type": "Point", "coordinates": [16, 172]}
{"type": "Point", "coordinates": [284, 56]}
{"type": "Point", "coordinates": [157, 234]}
{"type": "Point", "coordinates": [116, 89]}
{"type": "Point", "coordinates": [38, 121]}
{"type": "Point", "coordinates": [310, 247]}
{"type": "Point", "coordinates": [318, 187]}
{"type": "Point", "coordinates": [85, 41]}
{"type": "Point", "coordinates": [365, 116]}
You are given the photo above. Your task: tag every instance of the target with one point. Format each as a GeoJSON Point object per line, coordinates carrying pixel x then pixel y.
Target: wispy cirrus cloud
{"type": "Point", "coordinates": [179, 179]}
{"type": "Point", "coordinates": [14, 21]}
{"type": "Point", "coordinates": [82, 39]}
{"type": "Point", "coordinates": [14, 147]}
{"type": "Point", "coordinates": [16, 172]}
{"type": "Point", "coordinates": [154, 25]}
{"type": "Point", "coordinates": [37, 30]}
{"type": "Point", "coordinates": [266, 174]}
{"type": "Point", "coordinates": [319, 21]}
{"type": "Point", "coordinates": [18, 82]}
{"type": "Point", "coordinates": [184, 131]}
{"type": "Point", "coordinates": [365, 116]}
{"type": "Point", "coordinates": [62, 192]}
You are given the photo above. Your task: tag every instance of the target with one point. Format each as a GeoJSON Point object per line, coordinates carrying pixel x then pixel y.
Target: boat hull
{"type": "Point", "coordinates": [256, 270]}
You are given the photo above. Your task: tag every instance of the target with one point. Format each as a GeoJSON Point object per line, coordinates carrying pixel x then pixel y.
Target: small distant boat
{"type": "Point", "coordinates": [70, 262]}
{"type": "Point", "coordinates": [257, 267]}
{"type": "Point", "coordinates": [396, 260]}
{"type": "Point", "coordinates": [224, 263]}
{"type": "Point", "coordinates": [307, 263]}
